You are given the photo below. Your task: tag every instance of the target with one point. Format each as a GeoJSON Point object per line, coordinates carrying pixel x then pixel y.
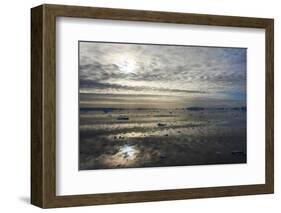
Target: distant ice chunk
{"type": "Point", "coordinates": [123, 118]}
{"type": "Point", "coordinates": [161, 124]}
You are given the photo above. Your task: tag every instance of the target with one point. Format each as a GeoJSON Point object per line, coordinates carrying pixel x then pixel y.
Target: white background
{"type": "Point", "coordinates": [15, 106]}
{"type": "Point", "coordinates": [71, 181]}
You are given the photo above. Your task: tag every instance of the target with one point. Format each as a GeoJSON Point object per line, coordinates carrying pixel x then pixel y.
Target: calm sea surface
{"type": "Point", "coordinates": [130, 138]}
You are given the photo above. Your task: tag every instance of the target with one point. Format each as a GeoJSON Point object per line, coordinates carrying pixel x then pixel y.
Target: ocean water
{"type": "Point", "coordinates": [133, 138]}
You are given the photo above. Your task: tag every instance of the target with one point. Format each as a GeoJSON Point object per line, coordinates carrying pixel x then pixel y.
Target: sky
{"type": "Point", "coordinates": [161, 76]}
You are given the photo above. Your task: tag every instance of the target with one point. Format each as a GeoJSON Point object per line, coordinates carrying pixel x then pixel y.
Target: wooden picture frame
{"type": "Point", "coordinates": [43, 105]}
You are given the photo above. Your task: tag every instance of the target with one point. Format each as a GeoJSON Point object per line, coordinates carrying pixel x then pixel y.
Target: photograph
{"type": "Point", "coordinates": [140, 105]}
{"type": "Point", "coordinates": [159, 105]}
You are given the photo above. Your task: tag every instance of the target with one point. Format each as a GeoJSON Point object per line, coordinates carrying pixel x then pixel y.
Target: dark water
{"type": "Point", "coordinates": [160, 137]}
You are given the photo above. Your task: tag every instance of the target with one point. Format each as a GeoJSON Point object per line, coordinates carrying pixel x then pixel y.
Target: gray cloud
{"type": "Point", "coordinates": [175, 69]}
{"type": "Point", "coordinates": [90, 84]}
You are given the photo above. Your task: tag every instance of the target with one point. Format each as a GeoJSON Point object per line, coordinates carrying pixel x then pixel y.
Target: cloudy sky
{"type": "Point", "coordinates": [139, 75]}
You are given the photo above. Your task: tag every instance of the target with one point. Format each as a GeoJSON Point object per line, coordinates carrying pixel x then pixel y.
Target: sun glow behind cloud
{"type": "Point", "coordinates": [126, 63]}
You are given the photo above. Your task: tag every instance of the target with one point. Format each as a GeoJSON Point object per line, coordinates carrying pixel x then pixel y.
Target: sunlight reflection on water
{"type": "Point", "coordinates": [128, 151]}
{"type": "Point", "coordinates": [127, 155]}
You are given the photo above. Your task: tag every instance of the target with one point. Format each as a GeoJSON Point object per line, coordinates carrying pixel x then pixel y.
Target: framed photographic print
{"type": "Point", "coordinates": [136, 106]}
